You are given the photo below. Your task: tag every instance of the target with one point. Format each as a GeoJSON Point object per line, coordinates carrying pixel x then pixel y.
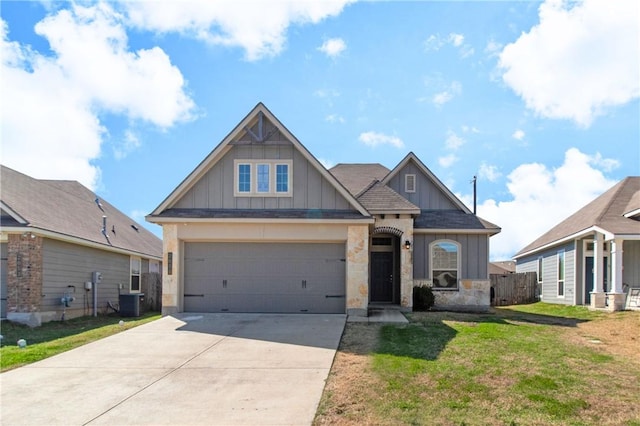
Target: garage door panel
{"type": "Point", "coordinates": [264, 277]}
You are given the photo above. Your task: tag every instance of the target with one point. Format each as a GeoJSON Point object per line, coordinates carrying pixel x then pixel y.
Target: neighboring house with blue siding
{"type": "Point", "coordinates": [261, 225]}
{"type": "Point", "coordinates": [54, 234]}
{"type": "Point", "coordinates": [593, 257]}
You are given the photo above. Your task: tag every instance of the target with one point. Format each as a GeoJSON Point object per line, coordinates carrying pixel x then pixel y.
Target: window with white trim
{"type": "Point", "coordinates": [409, 183]}
{"type": "Point", "coordinates": [445, 264]}
{"type": "Point", "coordinates": [134, 284]}
{"type": "Point", "coordinates": [540, 271]}
{"type": "Point", "coordinates": [561, 271]}
{"type": "Point", "coordinates": [263, 178]}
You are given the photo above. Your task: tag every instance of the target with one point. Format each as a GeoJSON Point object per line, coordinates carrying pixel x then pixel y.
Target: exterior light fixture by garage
{"type": "Point", "coordinates": [407, 244]}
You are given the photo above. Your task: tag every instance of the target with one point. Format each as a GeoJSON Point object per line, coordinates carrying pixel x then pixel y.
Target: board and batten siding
{"type": "Point", "coordinates": [474, 255]}
{"type": "Point", "coordinates": [550, 272]}
{"type": "Point", "coordinates": [67, 264]}
{"type": "Point", "coordinates": [427, 195]}
{"type": "Point", "coordinates": [310, 190]}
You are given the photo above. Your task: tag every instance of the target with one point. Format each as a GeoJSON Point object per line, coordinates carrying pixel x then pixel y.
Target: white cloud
{"type": "Point", "coordinates": [334, 118]}
{"type": "Point", "coordinates": [50, 95]}
{"type": "Point", "coordinates": [130, 143]}
{"type": "Point", "coordinates": [441, 98]}
{"type": "Point", "coordinates": [541, 197]}
{"type": "Point", "coordinates": [374, 139]}
{"type": "Point", "coordinates": [257, 27]}
{"type": "Point", "coordinates": [493, 48]}
{"type": "Point", "coordinates": [489, 172]}
{"type": "Point", "coordinates": [579, 61]}
{"type": "Point", "coordinates": [456, 39]}
{"type": "Point", "coordinates": [470, 129]}
{"type": "Point", "coordinates": [518, 134]}
{"type": "Point", "coordinates": [447, 161]}
{"type": "Point", "coordinates": [326, 163]}
{"type": "Point", "coordinates": [333, 47]}
{"type": "Point", "coordinates": [453, 142]}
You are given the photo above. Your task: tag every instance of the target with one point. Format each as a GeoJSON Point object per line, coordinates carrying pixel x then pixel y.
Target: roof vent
{"type": "Point", "coordinates": [99, 204]}
{"type": "Point", "coordinates": [135, 228]}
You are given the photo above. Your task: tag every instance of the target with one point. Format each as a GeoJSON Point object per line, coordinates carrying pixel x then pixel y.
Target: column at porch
{"type": "Point", "coordinates": [616, 297]}
{"type": "Point", "coordinates": [357, 270]}
{"type": "Point", "coordinates": [171, 270]}
{"type": "Point", "coordinates": [598, 297]}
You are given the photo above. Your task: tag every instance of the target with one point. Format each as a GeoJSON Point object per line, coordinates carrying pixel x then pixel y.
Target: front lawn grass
{"type": "Point", "coordinates": [54, 337]}
{"type": "Point", "coordinates": [511, 367]}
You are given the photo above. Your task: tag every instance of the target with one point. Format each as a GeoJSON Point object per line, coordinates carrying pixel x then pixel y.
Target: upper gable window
{"type": "Point", "coordinates": [262, 178]}
{"type": "Point", "coordinates": [409, 183]}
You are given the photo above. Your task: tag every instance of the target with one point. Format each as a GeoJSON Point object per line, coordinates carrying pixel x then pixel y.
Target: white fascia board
{"type": "Point", "coordinates": [78, 241]}
{"type": "Point", "coordinates": [576, 236]}
{"type": "Point", "coordinates": [13, 213]}
{"type": "Point", "coordinates": [632, 213]}
{"type": "Point", "coordinates": [172, 220]}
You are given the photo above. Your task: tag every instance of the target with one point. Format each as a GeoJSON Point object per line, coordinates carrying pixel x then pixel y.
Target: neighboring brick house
{"type": "Point", "coordinates": [54, 235]}
{"type": "Point", "coordinates": [593, 257]}
{"type": "Point", "coordinates": [262, 226]}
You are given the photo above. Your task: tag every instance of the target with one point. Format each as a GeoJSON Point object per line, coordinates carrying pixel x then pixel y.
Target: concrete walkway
{"type": "Point", "coordinates": [381, 315]}
{"type": "Point", "coordinates": [206, 369]}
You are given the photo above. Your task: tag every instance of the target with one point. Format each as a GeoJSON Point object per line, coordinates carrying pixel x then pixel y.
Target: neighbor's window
{"type": "Point", "coordinates": [409, 183]}
{"type": "Point", "coordinates": [263, 178]}
{"type": "Point", "coordinates": [134, 286]}
{"type": "Point", "coordinates": [540, 260]}
{"type": "Point", "coordinates": [445, 263]}
{"type": "Point", "coordinates": [561, 273]}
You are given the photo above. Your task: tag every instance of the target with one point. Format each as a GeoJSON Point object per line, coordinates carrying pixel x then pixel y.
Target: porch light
{"type": "Point", "coordinates": [407, 244]}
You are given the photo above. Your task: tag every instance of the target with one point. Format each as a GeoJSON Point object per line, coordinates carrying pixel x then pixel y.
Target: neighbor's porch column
{"type": "Point", "coordinates": [598, 297]}
{"type": "Point", "coordinates": [616, 297]}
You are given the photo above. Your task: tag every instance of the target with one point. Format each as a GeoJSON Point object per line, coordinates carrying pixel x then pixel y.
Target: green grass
{"type": "Point", "coordinates": [508, 367]}
{"type": "Point", "coordinates": [55, 337]}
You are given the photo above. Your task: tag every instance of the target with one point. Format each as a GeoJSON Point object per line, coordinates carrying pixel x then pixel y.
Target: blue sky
{"type": "Point", "coordinates": [540, 100]}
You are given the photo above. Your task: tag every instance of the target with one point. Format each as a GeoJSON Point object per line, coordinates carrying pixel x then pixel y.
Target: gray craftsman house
{"type": "Point", "coordinates": [261, 226]}
{"type": "Point", "coordinates": [67, 253]}
{"type": "Point", "coordinates": [593, 257]}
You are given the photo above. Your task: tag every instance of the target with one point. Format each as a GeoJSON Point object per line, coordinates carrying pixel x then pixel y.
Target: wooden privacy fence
{"type": "Point", "coordinates": [514, 289]}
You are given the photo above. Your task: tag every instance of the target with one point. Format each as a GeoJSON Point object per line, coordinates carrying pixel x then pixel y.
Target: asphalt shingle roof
{"type": "Point", "coordinates": [68, 208]}
{"type": "Point", "coordinates": [451, 219]}
{"type": "Point", "coordinates": [607, 212]}
{"type": "Point", "coordinates": [379, 197]}
{"type": "Point", "coordinates": [357, 177]}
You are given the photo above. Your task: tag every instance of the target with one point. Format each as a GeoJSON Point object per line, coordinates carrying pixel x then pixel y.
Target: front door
{"type": "Point", "coordinates": [588, 279]}
{"type": "Point", "coordinates": [382, 277]}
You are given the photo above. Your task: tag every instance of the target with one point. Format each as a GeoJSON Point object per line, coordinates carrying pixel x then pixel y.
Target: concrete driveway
{"type": "Point", "coordinates": [195, 369]}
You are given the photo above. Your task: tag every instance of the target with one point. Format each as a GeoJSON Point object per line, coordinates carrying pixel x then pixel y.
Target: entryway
{"type": "Point", "coordinates": [384, 281]}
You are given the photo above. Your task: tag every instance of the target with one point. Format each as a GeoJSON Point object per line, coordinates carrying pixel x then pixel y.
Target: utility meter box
{"type": "Point", "coordinates": [87, 285]}
{"type": "Point", "coordinates": [96, 277]}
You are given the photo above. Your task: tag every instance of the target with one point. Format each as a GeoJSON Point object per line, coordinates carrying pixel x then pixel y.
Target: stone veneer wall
{"type": "Point", "coordinates": [358, 270]}
{"type": "Point", "coordinates": [170, 283]}
{"type": "Point", "coordinates": [472, 295]}
{"type": "Point", "coordinates": [24, 278]}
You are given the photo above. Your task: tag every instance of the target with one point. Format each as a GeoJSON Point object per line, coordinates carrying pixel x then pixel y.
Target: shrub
{"type": "Point", "coordinates": [423, 298]}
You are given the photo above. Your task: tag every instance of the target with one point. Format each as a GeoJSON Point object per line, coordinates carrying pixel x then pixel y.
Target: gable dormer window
{"type": "Point", "coordinates": [409, 183]}
{"type": "Point", "coordinates": [262, 178]}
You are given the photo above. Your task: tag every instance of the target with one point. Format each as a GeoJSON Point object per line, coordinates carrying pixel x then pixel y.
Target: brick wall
{"type": "Point", "coordinates": [24, 273]}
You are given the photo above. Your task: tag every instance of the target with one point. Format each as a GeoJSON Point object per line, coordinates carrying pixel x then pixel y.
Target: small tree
{"type": "Point", "coordinates": [423, 298]}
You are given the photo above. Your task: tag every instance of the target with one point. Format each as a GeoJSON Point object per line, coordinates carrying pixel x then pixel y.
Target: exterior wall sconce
{"type": "Point", "coordinates": [407, 244]}
{"type": "Point", "coordinates": [28, 234]}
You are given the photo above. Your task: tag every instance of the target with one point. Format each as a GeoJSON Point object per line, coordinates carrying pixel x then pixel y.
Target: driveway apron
{"type": "Point", "coordinates": [188, 369]}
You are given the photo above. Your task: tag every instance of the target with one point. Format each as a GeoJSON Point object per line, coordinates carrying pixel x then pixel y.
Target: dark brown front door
{"type": "Point", "coordinates": [382, 277]}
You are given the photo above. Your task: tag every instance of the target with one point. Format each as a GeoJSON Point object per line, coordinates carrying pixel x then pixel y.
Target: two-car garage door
{"type": "Point", "coordinates": [264, 277]}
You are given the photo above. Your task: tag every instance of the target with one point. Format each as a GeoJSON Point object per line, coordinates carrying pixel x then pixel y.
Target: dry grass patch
{"type": "Point", "coordinates": [506, 367]}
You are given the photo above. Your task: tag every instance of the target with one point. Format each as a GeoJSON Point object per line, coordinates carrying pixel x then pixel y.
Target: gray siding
{"type": "Point", "coordinates": [215, 190]}
{"type": "Point", "coordinates": [631, 259]}
{"type": "Point", "coordinates": [67, 264]}
{"type": "Point", "coordinates": [550, 273]}
{"type": "Point", "coordinates": [427, 196]}
{"type": "Point", "coordinates": [474, 256]}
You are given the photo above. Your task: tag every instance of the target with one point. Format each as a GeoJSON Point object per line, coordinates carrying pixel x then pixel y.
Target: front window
{"type": "Point", "coordinates": [282, 178]}
{"type": "Point", "coordinates": [561, 273]}
{"type": "Point", "coordinates": [134, 286]}
{"type": "Point", "coordinates": [445, 262]}
{"type": "Point", "coordinates": [263, 178]}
